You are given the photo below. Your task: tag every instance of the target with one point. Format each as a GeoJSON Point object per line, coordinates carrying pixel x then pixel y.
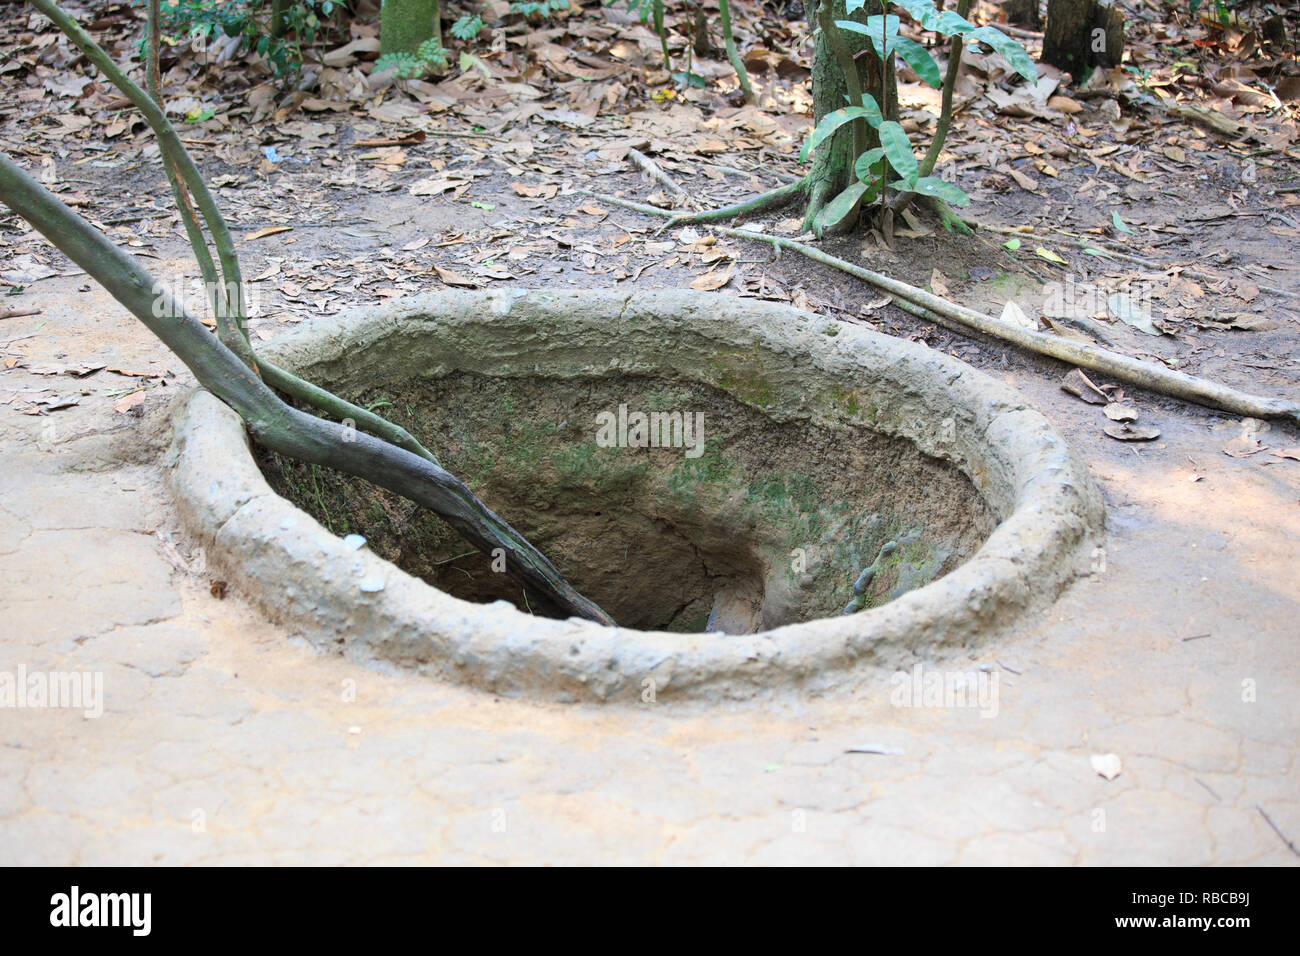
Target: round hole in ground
{"type": "Point", "coordinates": [725, 520]}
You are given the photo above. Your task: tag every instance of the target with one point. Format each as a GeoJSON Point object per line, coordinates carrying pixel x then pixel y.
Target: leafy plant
{"type": "Point", "coordinates": [467, 27]}
{"type": "Point", "coordinates": [278, 32]}
{"type": "Point", "coordinates": [430, 57]}
{"type": "Point", "coordinates": [542, 9]}
{"type": "Point", "coordinates": [892, 164]}
{"type": "Point", "coordinates": [1222, 13]}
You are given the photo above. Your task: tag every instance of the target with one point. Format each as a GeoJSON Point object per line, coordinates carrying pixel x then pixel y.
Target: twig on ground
{"type": "Point", "coordinates": [18, 313]}
{"type": "Point", "coordinates": [775, 174]}
{"type": "Point", "coordinates": [652, 169]}
{"type": "Point", "coordinates": [1285, 839]}
{"type": "Point", "coordinates": [769, 201]}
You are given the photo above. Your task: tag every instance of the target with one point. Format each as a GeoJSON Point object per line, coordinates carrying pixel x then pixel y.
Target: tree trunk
{"type": "Point", "coordinates": [832, 169]}
{"type": "Point", "coordinates": [1021, 13]}
{"type": "Point", "coordinates": [703, 46]}
{"type": "Point", "coordinates": [1082, 34]}
{"type": "Point", "coordinates": [405, 24]}
{"type": "Point", "coordinates": [279, 9]}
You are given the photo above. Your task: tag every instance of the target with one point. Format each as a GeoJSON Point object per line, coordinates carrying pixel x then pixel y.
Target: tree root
{"type": "Point", "coordinates": [1126, 256]}
{"type": "Point", "coordinates": [770, 201]}
{"type": "Point", "coordinates": [342, 410]}
{"type": "Point", "coordinates": [1147, 375]}
{"type": "Point", "coordinates": [271, 422]}
{"type": "Point", "coordinates": [374, 448]}
{"type": "Point", "coordinates": [1189, 388]}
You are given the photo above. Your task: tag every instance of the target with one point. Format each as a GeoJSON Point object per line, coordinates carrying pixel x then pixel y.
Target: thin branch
{"type": "Point", "coordinates": [653, 170]}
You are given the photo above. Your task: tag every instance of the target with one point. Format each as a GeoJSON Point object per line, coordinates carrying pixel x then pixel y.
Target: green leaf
{"type": "Point", "coordinates": [839, 207]}
{"type": "Point", "coordinates": [1120, 224]}
{"type": "Point", "coordinates": [898, 150]}
{"type": "Point", "coordinates": [919, 59]}
{"type": "Point", "coordinates": [1096, 252]}
{"type": "Point", "coordinates": [1011, 51]}
{"type": "Point", "coordinates": [851, 5]}
{"type": "Point", "coordinates": [833, 121]}
{"type": "Point", "coordinates": [948, 23]}
{"type": "Point", "coordinates": [923, 12]}
{"type": "Point", "coordinates": [862, 168]}
{"type": "Point", "coordinates": [936, 187]}
{"type": "Point", "coordinates": [1012, 244]}
{"type": "Point", "coordinates": [890, 43]}
{"type": "Point", "coordinates": [872, 27]}
{"type": "Point", "coordinates": [918, 10]}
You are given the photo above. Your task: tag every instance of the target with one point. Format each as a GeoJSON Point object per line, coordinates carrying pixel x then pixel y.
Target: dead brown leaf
{"type": "Point", "coordinates": [1243, 446]}
{"type": "Point", "coordinates": [1126, 432]}
{"type": "Point", "coordinates": [435, 186]}
{"type": "Point", "coordinates": [130, 401]}
{"type": "Point", "coordinates": [541, 191]}
{"type": "Point", "coordinates": [1080, 386]}
{"type": "Point", "coordinates": [455, 278]}
{"type": "Point", "coordinates": [267, 231]}
{"type": "Point", "coordinates": [711, 281]}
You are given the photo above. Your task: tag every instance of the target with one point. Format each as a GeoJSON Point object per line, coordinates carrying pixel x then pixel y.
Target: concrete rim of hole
{"type": "Point", "coordinates": [308, 580]}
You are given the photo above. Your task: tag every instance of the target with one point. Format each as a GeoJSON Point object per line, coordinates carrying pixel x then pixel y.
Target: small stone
{"type": "Point", "coordinates": [1107, 765]}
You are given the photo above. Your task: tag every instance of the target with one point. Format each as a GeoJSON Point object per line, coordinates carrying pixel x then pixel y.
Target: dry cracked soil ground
{"type": "Point", "coordinates": [224, 741]}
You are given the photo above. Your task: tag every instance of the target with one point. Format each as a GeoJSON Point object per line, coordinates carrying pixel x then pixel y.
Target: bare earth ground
{"type": "Point", "coordinates": [225, 741]}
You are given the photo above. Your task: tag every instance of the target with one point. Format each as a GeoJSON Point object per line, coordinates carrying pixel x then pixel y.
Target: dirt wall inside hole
{"type": "Point", "coordinates": [762, 524]}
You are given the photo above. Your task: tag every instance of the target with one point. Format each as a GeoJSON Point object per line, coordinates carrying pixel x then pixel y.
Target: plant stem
{"type": "Point", "coordinates": [729, 41]}
{"type": "Point", "coordinates": [657, 12]}
{"type": "Point", "coordinates": [884, 89]}
{"type": "Point", "coordinates": [949, 84]}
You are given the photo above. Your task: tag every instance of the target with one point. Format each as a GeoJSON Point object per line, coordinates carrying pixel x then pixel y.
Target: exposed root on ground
{"type": "Point", "coordinates": [958, 318]}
